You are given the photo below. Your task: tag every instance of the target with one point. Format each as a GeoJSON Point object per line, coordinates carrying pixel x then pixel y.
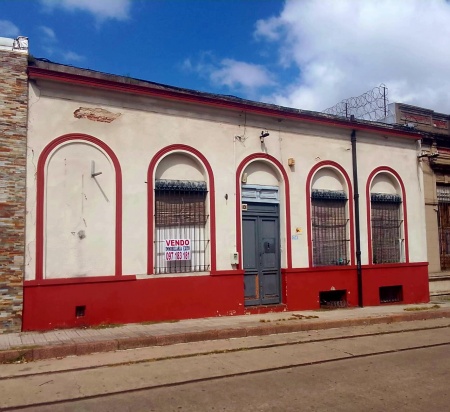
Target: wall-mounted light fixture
{"type": "Point", "coordinates": [263, 135]}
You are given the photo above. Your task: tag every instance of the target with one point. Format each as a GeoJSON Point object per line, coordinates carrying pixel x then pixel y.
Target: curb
{"type": "Point", "coordinates": [84, 348]}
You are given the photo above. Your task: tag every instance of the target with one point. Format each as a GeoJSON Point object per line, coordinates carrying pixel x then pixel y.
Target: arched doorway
{"type": "Point", "coordinates": [261, 246]}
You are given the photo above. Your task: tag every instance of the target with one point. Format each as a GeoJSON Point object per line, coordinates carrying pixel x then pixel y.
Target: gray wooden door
{"type": "Point", "coordinates": [261, 254]}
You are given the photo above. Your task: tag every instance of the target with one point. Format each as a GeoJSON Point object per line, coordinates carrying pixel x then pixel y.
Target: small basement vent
{"type": "Point", "coordinates": [333, 299]}
{"type": "Point", "coordinates": [80, 311]}
{"type": "Point", "coordinates": [391, 294]}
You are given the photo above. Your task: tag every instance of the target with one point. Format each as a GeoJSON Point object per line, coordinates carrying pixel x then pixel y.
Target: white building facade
{"type": "Point", "coordinates": [150, 203]}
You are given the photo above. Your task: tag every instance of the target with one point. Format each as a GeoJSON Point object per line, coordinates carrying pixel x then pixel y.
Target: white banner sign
{"type": "Point", "coordinates": [178, 249]}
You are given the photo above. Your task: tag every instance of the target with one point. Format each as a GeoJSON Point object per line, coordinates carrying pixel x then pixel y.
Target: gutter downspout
{"type": "Point", "coordinates": [357, 226]}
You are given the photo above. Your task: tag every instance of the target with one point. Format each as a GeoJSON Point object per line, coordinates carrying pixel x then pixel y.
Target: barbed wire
{"type": "Point", "coordinates": [371, 105]}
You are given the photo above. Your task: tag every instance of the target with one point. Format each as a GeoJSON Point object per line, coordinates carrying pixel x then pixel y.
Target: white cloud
{"type": "Point", "coordinates": [51, 47]}
{"type": "Point", "coordinates": [344, 48]}
{"type": "Point", "coordinates": [203, 65]}
{"type": "Point", "coordinates": [235, 74]}
{"type": "Point", "coordinates": [8, 29]}
{"type": "Point", "coordinates": [230, 73]}
{"type": "Point", "coordinates": [48, 32]}
{"type": "Point", "coordinates": [101, 9]}
{"type": "Point", "coordinates": [268, 28]}
{"type": "Point", "coordinates": [70, 56]}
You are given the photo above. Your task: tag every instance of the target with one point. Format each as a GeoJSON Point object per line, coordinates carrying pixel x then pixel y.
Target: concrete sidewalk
{"type": "Point", "coordinates": [29, 346]}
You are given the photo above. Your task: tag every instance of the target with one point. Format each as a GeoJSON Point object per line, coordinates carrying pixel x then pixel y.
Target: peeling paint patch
{"type": "Point", "coordinates": [96, 114]}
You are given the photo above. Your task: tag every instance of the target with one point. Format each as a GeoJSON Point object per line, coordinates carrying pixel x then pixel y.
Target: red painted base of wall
{"type": "Point", "coordinates": [302, 286]}
{"type": "Point", "coordinates": [52, 304]}
{"type": "Point", "coordinates": [412, 277]}
{"type": "Point", "coordinates": [125, 299]}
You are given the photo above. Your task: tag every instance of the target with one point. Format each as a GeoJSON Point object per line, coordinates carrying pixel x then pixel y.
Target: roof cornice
{"type": "Point", "coordinates": [216, 101]}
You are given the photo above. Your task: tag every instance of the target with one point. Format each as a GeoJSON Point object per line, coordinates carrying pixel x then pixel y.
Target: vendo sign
{"type": "Point", "coordinates": [177, 249]}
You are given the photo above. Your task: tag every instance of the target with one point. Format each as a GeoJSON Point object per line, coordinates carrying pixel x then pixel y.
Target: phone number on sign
{"type": "Point", "coordinates": [186, 255]}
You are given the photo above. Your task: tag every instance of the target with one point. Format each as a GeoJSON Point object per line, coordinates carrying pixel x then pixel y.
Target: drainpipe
{"type": "Point", "coordinates": [357, 227]}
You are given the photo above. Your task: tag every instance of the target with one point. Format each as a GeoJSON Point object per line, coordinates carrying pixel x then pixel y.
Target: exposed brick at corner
{"type": "Point", "coordinates": [13, 132]}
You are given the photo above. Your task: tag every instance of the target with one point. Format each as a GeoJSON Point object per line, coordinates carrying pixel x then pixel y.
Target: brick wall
{"type": "Point", "coordinates": [13, 134]}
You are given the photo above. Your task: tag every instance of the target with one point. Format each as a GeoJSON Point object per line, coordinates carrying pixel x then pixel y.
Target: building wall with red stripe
{"type": "Point", "coordinates": [135, 133]}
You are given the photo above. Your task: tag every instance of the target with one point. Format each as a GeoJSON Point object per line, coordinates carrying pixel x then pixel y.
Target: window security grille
{"type": "Point", "coordinates": [443, 196]}
{"type": "Point", "coordinates": [329, 228]}
{"type": "Point", "coordinates": [386, 228]}
{"type": "Point", "coordinates": [180, 213]}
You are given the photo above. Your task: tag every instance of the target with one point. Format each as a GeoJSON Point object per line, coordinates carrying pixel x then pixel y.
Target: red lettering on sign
{"type": "Point", "coordinates": [177, 242]}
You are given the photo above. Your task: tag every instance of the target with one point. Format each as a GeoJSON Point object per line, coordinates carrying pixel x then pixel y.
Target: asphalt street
{"type": "Point", "coordinates": [378, 368]}
{"type": "Point", "coordinates": [413, 380]}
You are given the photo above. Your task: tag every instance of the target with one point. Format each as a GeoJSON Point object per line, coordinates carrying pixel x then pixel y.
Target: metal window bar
{"type": "Point", "coordinates": [387, 242]}
{"type": "Point", "coordinates": [180, 213]}
{"type": "Point", "coordinates": [330, 232]}
{"type": "Point", "coordinates": [443, 197]}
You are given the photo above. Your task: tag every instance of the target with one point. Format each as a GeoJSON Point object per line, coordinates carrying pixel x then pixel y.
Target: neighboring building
{"type": "Point", "coordinates": [147, 203]}
{"type": "Point", "coordinates": [13, 137]}
{"type": "Point", "coordinates": [434, 157]}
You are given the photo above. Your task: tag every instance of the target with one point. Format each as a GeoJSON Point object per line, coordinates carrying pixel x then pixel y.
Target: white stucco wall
{"type": "Point", "coordinates": [401, 156]}
{"type": "Point", "coordinates": [385, 183]}
{"type": "Point", "coordinates": [147, 125]}
{"type": "Point", "coordinates": [79, 213]}
{"type": "Point", "coordinates": [327, 179]}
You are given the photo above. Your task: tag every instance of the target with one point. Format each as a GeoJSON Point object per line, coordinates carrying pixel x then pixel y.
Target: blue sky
{"type": "Point", "coordinates": [308, 54]}
{"type": "Point", "coordinates": [176, 42]}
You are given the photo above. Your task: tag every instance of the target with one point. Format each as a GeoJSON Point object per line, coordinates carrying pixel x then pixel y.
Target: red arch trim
{"type": "Point", "coordinates": [150, 203]}
{"type": "Point", "coordinates": [368, 202]}
{"type": "Point", "coordinates": [41, 198]}
{"type": "Point", "coordinates": [241, 167]}
{"type": "Point", "coordinates": [320, 165]}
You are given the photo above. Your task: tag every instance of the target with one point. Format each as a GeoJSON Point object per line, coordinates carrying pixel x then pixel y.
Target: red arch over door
{"type": "Point", "coordinates": [391, 171]}
{"type": "Point", "coordinates": [241, 167]}
{"type": "Point", "coordinates": [40, 206]}
{"type": "Point", "coordinates": [150, 206]}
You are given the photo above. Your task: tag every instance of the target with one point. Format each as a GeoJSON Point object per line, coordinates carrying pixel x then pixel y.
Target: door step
{"type": "Point", "coordinates": [441, 297]}
{"type": "Point", "coordinates": [261, 309]}
{"type": "Point", "coordinates": [439, 284]}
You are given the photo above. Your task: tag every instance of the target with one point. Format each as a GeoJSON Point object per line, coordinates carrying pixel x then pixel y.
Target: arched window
{"type": "Point", "coordinates": [386, 219]}
{"type": "Point", "coordinates": [181, 216]}
{"type": "Point", "coordinates": [329, 219]}
{"type": "Point", "coordinates": [78, 209]}
{"type": "Point", "coordinates": [443, 198]}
